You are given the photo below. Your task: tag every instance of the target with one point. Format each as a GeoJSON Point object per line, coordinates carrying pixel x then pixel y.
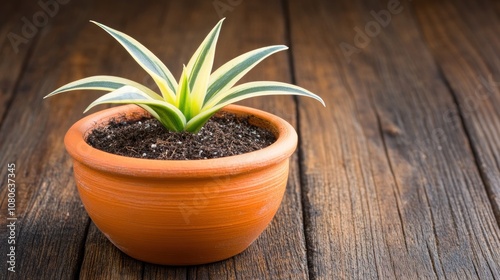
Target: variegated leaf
{"type": "Point", "coordinates": [200, 67]}
{"type": "Point", "coordinates": [244, 91]}
{"type": "Point", "coordinates": [183, 95]}
{"type": "Point", "coordinates": [171, 117]}
{"type": "Point", "coordinates": [231, 72]}
{"type": "Point", "coordinates": [147, 60]}
{"type": "Point", "coordinates": [106, 83]}
{"type": "Point", "coordinates": [254, 89]}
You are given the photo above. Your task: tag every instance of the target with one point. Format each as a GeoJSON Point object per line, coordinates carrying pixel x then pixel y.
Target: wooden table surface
{"type": "Point", "coordinates": [397, 178]}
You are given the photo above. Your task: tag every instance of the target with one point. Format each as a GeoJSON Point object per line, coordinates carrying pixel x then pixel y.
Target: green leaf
{"type": "Point", "coordinates": [183, 95]}
{"type": "Point", "coordinates": [231, 72]}
{"type": "Point", "coordinates": [244, 91]}
{"type": "Point", "coordinates": [200, 67]}
{"type": "Point", "coordinates": [147, 60]}
{"type": "Point", "coordinates": [106, 83]}
{"type": "Point", "coordinates": [166, 113]}
{"type": "Point", "coordinates": [254, 89]}
{"type": "Point", "coordinates": [197, 122]}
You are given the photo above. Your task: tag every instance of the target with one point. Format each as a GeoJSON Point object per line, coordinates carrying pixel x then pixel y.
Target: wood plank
{"type": "Point", "coordinates": [396, 171]}
{"type": "Point", "coordinates": [51, 221]}
{"type": "Point", "coordinates": [472, 68]}
{"type": "Point", "coordinates": [102, 260]}
{"type": "Point", "coordinates": [14, 48]}
{"type": "Point", "coordinates": [382, 199]}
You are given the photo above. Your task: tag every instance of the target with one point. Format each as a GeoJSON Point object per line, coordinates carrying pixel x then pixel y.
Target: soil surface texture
{"type": "Point", "coordinates": [223, 135]}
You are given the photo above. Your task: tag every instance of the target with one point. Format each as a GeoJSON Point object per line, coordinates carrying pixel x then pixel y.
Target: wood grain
{"type": "Point", "coordinates": [102, 260]}
{"type": "Point", "coordinates": [383, 198]}
{"type": "Point", "coordinates": [398, 178]}
{"type": "Point", "coordinates": [14, 49]}
{"type": "Point", "coordinates": [51, 222]}
{"type": "Point", "coordinates": [472, 71]}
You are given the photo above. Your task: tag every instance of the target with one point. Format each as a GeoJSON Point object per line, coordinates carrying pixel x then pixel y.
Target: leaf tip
{"type": "Point", "coordinates": [52, 93]}
{"type": "Point", "coordinates": [99, 24]}
{"type": "Point", "coordinates": [219, 24]}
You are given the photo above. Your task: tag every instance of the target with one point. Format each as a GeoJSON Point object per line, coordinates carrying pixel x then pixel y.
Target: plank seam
{"type": "Point", "coordinates": [475, 152]}
{"type": "Point", "coordinates": [81, 253]}
{"type": "Point", "coordinates": [300, 155]}
{"type": "Point", "coordinates": [436, 240]}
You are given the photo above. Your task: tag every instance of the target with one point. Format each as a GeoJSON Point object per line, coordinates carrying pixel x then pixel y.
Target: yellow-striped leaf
{"type": "Point", "coordinates": [183, 96]}
{"type": "Point", "coordinates": [244, 91]}
{"type": "Point", "coordinates": [147, 60]}
{"type": "Point", "coordinates": [200, 67]}
{"type": "Point", "coordinates": [171, 117]}
{"type": "Point", "coordinates": [105, 83]}
{"type": "Point", "coordinates": [231, 72]}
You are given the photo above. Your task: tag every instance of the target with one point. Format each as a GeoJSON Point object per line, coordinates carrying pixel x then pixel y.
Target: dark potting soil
{"type": "Point", "coordinates": [223, 135]}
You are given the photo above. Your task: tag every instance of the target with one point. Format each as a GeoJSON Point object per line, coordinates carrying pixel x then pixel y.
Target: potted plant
{"type": "Point", "coordinates": [182, 212]}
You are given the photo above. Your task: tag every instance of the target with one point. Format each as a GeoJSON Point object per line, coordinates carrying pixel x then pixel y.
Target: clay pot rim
{"type": "Point", "coordinates": [280, 150]}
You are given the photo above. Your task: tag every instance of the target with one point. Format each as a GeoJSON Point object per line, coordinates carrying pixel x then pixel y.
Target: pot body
{"type": "Point", "coordinates": [181, 212]}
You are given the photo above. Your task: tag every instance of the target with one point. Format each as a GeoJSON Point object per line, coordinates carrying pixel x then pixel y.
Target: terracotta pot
{"type": "Point", "coordinates": [181, 212]}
